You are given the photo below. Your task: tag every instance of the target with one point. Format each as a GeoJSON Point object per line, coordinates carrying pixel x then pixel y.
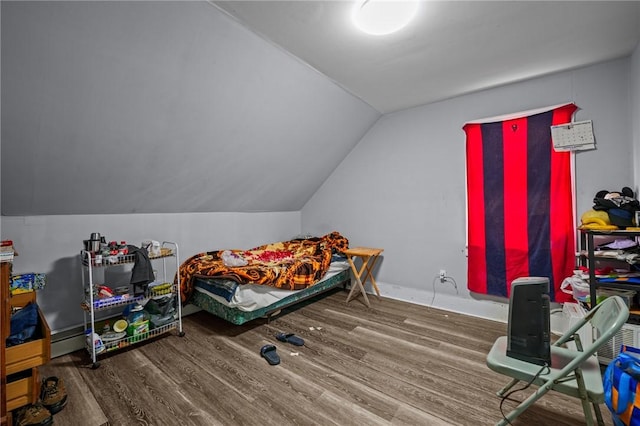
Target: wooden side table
{"type": "Point", "coordinates": [369, 257]}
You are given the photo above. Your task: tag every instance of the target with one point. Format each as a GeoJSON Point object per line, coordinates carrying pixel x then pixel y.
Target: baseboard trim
{"type": "Point", "coordinates": [70, 340]}
{"type": "Point", "coordinates": [62, 345]}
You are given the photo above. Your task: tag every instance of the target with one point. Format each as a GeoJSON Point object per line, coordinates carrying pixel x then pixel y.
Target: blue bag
{"type": "Point", "coordinates": [622, 387]}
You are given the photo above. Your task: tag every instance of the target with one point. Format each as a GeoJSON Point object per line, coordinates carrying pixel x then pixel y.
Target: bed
{"type": "Point", "coordinates": [242, 285]}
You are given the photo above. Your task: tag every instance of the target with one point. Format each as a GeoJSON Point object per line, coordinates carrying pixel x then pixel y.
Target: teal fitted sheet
{"type": "Point", "coordinates": [238, 317]}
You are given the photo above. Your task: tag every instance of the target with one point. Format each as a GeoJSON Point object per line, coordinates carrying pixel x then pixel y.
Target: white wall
{"type": "Point", "coordinates": [402, 188]}
{"type": "Point", "coordinates": [52, 244]}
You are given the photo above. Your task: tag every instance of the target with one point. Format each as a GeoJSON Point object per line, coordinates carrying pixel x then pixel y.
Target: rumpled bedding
{"type": "Point", "coordinates": [288, 265]}
{"type": "Point", "coordinates": [222, 287]}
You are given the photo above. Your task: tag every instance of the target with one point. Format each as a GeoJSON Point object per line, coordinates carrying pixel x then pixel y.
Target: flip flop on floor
{"type": "Point", "coordinates": [290, 338]}
{"type": "Point", "coordinates": [269, 353]}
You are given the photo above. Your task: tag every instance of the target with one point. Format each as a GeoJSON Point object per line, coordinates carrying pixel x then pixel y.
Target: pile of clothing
{"type": "Point", "coordinates": [612, 210]}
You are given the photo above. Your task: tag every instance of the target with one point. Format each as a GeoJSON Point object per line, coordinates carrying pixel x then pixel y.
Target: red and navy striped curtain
{"type": "Point", "coordinates": [520, 203]}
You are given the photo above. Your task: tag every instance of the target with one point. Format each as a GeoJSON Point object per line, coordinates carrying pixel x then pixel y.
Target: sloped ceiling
{"type": "Point", "coordinates": [450, 48]}
{"type": "Point", "coordinates": [157, 107]}
{"type": "Point", "coordinates": [194, 106]}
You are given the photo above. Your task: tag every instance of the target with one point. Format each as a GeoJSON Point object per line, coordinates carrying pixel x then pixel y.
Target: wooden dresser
{"type": "Point", "coordinates": [19, 363]}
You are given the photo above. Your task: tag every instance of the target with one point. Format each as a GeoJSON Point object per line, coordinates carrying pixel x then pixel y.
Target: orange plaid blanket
{"type": "Point", "coordinates": [289, 265]}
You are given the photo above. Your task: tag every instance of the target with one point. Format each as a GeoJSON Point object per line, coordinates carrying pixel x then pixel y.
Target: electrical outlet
{"type": "Point", "coordinates": [443, 274]}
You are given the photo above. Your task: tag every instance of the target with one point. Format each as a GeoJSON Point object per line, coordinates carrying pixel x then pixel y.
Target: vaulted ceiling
{"type": "Point", "coordinates": [450, 48]}
{"type": "Point", "coordinates": [154, 107]}
{"type": "Point", "coordinates": [161, 107]}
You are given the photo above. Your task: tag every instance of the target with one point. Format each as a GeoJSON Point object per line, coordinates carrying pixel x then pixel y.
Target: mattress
{"type": "Point", "coordinates": [250, 301]}
{"type": "Point", "coordinates": [288, 265]}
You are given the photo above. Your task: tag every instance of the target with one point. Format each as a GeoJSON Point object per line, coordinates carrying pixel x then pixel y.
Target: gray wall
{"type": "Point", "coordinates": [635, 112]}
{"type": "Point", "coordinates": [52, 244]}
{"type": "Point", "coordinates": [169, 110]}
{"type": "Point", "coordinates": [93, 90]}
{"type": "Point", "coordinates": [161, 107]}
{"type": "Point", "coordinates": [402, 188]}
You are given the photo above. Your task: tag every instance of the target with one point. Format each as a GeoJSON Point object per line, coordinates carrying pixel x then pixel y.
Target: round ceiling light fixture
{"type": "Point", "coordinates": [381, 17]}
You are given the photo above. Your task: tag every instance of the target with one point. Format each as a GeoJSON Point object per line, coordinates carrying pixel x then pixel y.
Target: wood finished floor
{"type": "Point", "coordinates": [392, 364]}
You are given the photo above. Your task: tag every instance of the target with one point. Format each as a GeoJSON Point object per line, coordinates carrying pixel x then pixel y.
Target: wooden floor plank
{"type": "Point", "coordinates": [81, 402]}
{"type": "Point", "coordinates": [392, 364]}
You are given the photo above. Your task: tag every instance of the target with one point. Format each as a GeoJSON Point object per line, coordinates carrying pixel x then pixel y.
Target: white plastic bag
{"type": "Point", "coordinates": [576, 286]}
{"type": "Point", "coordinates": [152, 247]}
{"type": "Point", "coordinates": [232, 259]}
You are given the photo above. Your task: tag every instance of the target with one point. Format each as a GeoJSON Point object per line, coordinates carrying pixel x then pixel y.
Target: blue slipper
{"type": "Point", "coordinates": [269, 353]}
{"type": "Point", "coordinates": [290, 338]}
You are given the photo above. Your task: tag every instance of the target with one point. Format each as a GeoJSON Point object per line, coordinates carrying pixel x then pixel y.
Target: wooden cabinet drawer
{"type": "Point", "coordinates": [32, 353]}
{"type": "Point", "coordinates": [22, 389]}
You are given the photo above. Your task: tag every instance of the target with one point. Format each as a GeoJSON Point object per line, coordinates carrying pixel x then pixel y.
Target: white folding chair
{"type": "Point", "coordinates": [574, 372]}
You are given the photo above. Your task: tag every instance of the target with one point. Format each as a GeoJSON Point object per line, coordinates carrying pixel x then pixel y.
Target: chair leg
{"type": "Point", "coordinates": [588, 415]}
{"type": "Point", "coordinates": [543, 390]}
{"type": "Point", "coordinates": [584, 397]}
{"type": "Point", "coordinates": [504, 390]}
{"type": "Point", "coordinates": [522, 407]}
{"type": "Point", "coordinates": [596, 408]}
